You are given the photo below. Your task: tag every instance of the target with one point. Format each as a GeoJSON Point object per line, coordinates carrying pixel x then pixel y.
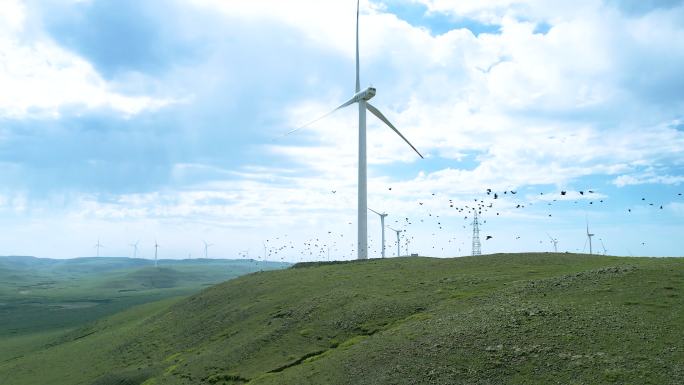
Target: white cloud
{"type": "Point", "coordinates": [551, 108]}
{"type": "Point", "coordinates": [40, 78]}
{"type": "Point", "coordinates": [647, 178]}
{"type": "Point", "coordinates": [12, 15]}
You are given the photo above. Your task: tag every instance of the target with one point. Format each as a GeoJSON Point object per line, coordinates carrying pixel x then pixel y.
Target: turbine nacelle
{"type": "Point", "coordinates": [366, 94]}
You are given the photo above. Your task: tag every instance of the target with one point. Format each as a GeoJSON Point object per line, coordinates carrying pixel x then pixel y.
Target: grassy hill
{"type": "Point", "coordinates": [522, 319]}
{"type": "Point", "coordinates": [41, 298]}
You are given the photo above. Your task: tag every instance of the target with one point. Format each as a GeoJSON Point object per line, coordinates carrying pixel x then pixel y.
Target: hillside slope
{"type": "Point", "coordinates": [41, 297]}
{"type": "Point", "coordinates": [523, 318]}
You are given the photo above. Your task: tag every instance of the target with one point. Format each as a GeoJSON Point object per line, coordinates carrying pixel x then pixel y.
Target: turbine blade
{"type": "Point", "coordinates": [345, 104]}
{"type": "Point", "coordinates": [382, 117]}
{"type": "Point", "coordinates": [358, 82]}
{"type": "Point", "coordinates": [374, 211]}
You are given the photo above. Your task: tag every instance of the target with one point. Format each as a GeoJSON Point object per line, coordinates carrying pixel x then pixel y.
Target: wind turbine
{"type": "Point", "coordinates": [382, 225]}
{"type": "Point", "coordinates": [398, 240]}
{"type": "Point", "coordinates": [605, 252]}
{"type": "Point", "coordinates": [362, 98]}
{"type": "Point", "coordinates": [135, 248]}
{"type": "Point", "coordinates": [206, 249]}
{"type": "Point", "coordinates": [555, 243]}
{"type": "Point", "coordinates": [589, 235]}
{"type": "Point", "coordinates": [156, 246]}
{"type": "Point", "coordinates": [98, 246]}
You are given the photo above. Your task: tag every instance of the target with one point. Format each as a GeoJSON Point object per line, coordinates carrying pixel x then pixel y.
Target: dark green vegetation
{"type": "Point", "coordinates": [521, 319]}
{"type": "Point", "coordinates": [41, 298]}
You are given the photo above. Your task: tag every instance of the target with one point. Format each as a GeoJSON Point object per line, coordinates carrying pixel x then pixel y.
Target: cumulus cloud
{"type": "Point", "coordinates": [537, 108]}
{"type": "Point", "coordinates": [40, 78]}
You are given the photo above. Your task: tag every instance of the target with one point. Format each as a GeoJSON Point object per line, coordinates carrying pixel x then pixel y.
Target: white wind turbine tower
{"type": "Point", "coordinates": [398, 240]}
{"type": "Point", "coordinates": [382, 225]}
{"type": "Point", "coordinates": [156, 246]}
{"type": "Point", "coordinates": [362, 98]}
{"type": "Point", "coordinates": [135, 248]}
{"type": "Point", "coordinates": [589, 235]}
{"type": "Point", "coordinates": [555, 243]}
{"type": "Point", "coordinates": [98, 245]}
{"type": "Point", "coordinates": [605, 252]}
{"type": "Point", "coordinates": [206, 248]}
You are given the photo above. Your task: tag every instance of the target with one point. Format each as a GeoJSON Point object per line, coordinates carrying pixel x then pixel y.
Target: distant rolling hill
{"type": "Point", "coordinates": [514, 319]}
{"type": "Point", "coordinates": [40, 294]}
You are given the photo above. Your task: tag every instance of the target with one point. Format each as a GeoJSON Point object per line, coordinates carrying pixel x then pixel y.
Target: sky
{"type": "Point", "coordinates": [129, 121]}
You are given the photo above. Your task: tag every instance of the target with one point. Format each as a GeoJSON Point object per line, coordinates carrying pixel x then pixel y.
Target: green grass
{"type": "Point", "coordinates": [45, 294]}
{"type": "Point", "coordinates": [43, 298]}
{"type": "Point", "coordinates": [520, 319]}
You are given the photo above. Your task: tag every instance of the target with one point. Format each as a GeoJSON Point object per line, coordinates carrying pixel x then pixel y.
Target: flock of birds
{"type": "Point", "coordinates": [434, 213]}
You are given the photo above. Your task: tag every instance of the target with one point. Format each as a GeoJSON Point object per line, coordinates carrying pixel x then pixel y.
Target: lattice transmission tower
{"type": "Point", "coordinates": [476, 235]}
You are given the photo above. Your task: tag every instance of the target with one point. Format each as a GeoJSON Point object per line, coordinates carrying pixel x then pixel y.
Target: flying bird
{"type": "Point", "coordinates": [488, 237]}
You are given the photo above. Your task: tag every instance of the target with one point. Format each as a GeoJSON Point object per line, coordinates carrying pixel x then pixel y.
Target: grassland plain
{"type": "Point", "coordinates": [508, 318]}
{"type": "Point", "coordinates": [42, 298]}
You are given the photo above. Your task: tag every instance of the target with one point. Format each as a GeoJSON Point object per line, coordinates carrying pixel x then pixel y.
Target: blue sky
{"type": "Point", "coordinates": [163, 120]}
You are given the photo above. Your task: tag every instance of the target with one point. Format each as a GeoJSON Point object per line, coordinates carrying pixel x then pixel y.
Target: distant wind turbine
{"type": "Point", "coordinates": [98, 246]}
{"type": "Point", "coordinates": [382, 225]}
{"type": "Point", "coordinates": [362, 98]}
{"type": "Point", "coordinates": [398, 240]}
{"type": "Point", "coordinates": [605, 252]}
{"type": "Point", "coordinates": [206, 248]}
{"type": "Point", "coordinates": [589, 235]}
{"type": "Point", "coordinates": [135, 248]}
{"type": "Point", "coordinates": [555, 243]}
{"type": "Point", "coordinates": [156, 246]}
